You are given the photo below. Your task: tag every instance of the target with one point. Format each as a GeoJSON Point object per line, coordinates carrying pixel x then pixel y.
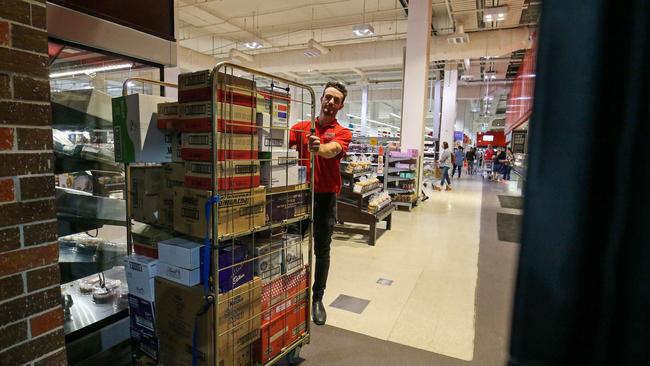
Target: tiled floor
{"type": "Point", "coordinates": [432, 257]}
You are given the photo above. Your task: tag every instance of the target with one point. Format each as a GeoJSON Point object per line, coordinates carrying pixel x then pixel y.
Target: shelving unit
{"type": "Point", "coordinates": [393, 180]}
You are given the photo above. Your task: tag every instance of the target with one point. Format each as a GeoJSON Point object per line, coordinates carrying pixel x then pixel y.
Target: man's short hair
{"type": "Point", "coordinates": [338, 86]}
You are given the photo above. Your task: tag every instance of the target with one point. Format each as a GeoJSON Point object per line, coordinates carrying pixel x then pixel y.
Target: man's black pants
{"type": "Point", "coordinates": [324, 221]}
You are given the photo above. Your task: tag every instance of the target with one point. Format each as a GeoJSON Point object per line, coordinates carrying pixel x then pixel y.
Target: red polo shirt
{"type": "Point", "coordinates": [327, 176]}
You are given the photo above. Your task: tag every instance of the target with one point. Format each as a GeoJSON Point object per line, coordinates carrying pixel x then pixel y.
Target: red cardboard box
{"type": "Point", "coordinates": [197, 87]}
{"type": "Point", "coordinates": [272, 340]}
{"type": "Point", "coordinates": [167, 115]}
{"type": "Point", "coordinates": [296, 321]}
{"type": "Point", "coordinates": [231, 174]}
{"type": "Point", "coordinates": [274, 297]}
{"type": "Point", "coordinates": [231, 118]}
{"type": "Point", "coordinates": [230, 146]}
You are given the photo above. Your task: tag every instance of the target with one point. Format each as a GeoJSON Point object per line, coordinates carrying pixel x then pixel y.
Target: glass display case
{"type": "Point", "coordinates": [90, 185]}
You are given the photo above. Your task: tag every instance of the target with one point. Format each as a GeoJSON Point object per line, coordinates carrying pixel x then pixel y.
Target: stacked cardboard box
{"type": "Point", "coordinates": [238, 319]}
{"type": "Point", "coordinates": [146, 187]}
{"type": "Point", "coordinates": [145, 240]}
{"type": "Point", "coordinates": [180, 261]}
{"type": "Point", "coordinates": [284, 314]}
{"type": "Point", "coordinates": [140, 273]}
{"type": "Point", "coordinates": [173, 176]}
{"type": "Point", "coordinates": [268, 254]}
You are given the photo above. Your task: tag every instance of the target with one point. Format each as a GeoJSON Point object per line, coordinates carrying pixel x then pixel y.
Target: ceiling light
{"type": "Point", "coordinates": [90, 70]}
{"type": "Point", "coordinates": [396, 115]}
{"type": "Point", "coordinates": [236, 54]}
{"type": "Point", "coordinates": [363, 30]}
{"type": "Point", "coordinates": [253, 45]}
{"type": "Point", "coordinates": [315, 49]}
{"type": "Point", "coordinates": [522, 98]}
{"type": "Point", "coordinates": [496, 13]}
{"type": "Point", "coordinates": [373, 121]}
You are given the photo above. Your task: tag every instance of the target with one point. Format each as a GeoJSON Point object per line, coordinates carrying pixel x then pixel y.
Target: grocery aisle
{"type": "Point", "coordinates": [448, 303]}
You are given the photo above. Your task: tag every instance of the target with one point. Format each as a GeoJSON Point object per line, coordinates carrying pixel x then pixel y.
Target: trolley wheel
{"type": "Point", "coordinates": [293, 357]}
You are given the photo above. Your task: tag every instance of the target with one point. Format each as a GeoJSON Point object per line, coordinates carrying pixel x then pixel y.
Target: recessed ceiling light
{"type": "Point", "coordinates": [497, 13]}
{"type": "Point", "coordinates": [315, 49]}
{"type": "Point", "coordinates": [363, 30]}
{"type": "Point", "coordinates": [253, 45]}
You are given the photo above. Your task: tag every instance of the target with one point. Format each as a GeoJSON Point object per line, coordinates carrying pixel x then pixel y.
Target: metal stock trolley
{"type": "Point", "coordinates": [253, 220]}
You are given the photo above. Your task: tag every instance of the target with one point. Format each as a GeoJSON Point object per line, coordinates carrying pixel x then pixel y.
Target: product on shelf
{"type": "Point", "coordinates": [103, 295]}
{"type": "Point", "coordinates": [365, 185]}
{"type": "Point", "coordinates": [378, 201]}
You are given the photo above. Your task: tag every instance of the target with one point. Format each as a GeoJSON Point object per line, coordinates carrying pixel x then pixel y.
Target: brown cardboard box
{"type": "Point", "coordinates": [173, 176]}
{"type": "Point", "coordinates": [239, 211]}
{"type": "Point", "coordinates": [239, 324]}
{"type": "Point", "coordinates": [231, 174]}
{"type": "Point", "coordinates": [146, 186]}
{"type": "Point", "coordinates": [146, 238]}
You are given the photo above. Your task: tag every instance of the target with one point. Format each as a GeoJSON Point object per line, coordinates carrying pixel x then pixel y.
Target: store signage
{"type": "Point", "coordinates": [458, 135]}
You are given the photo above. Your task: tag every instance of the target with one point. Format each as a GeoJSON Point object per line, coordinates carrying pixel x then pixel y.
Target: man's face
{"type": "Point", "coordinates": [331, 102]}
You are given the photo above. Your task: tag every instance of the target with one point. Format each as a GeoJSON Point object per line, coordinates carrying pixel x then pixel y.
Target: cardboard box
{"type": "Point", "coordinates": [197, 86]}
{"type": "Point", "coordinates": [272, 340]}
{"type": "Point", "coordinates": [140, 273]}
{"type": "Point", "coordinates": [230, 146]}
{"type": "Point", "coordinates": [173, 176]}
{"type": "Point", "coordinates": [145, 239]}
{"type": "Point", "coordinates": [135, 128]}
{"type": "Point", "coordinates": [230, 118]}
{"type": "Point", "coordinates": [239, 324]}
{"type": "Point", "coordinates": [176, 139]}
{"type": "Point", "coordinates": [146, 185]}
{"type": "Point", "coordinates": [142, 314]}
{"type": "Point", "coordinates": [293, 259]}
{"type": "Point", "coordinates": [279, 157]}
{"type": "Point", "coordinates": [146, 341]}
{"type": "Point", "coordinates": [269, 138]}
{"type": "Point", "coordinates": [183, 276]}
{"type": "Point", "coordinates": [231, 174]}
{"type": "Point", "coordinates": [167, 115]}
{"type": "Point", "coordinates": [235, 268]}
{"type": "Point", "coordinates": [268, 254]}
{"type": "Point", "coordinates": [276, 104]}
{"type": "Point", "coordinates": [180, 252]}
{"type": "Point", "coordinates": [273, 176]}
{"type": "Point", "coordinates": [283, 206]}
{"type": "Point", "coordinates": [296, 320]}
{"type": "Point", "coordinates": [239, 211]}
{"type": "Point", "coordinates": [274, 296]}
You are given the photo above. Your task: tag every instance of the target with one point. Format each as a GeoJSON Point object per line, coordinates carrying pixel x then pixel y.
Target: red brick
{"type": "Point", "coordinates": [24, 212]}
{"type": "Point", "coordinates": [36, 187]}
{"type": "Point", "coordinates": [38, 16]}
{"type": "Point", "coordinates": [5, 34]}
{"type": "Point", "coordinates": [11, 287]}
{"type": "Point", "coordinates": [28, 39]}
{"type": "Point", "coordinates": [21, 62]}
{"type": "Point", "coordinates": [15, 10]}
{"type": "Point", "coordinates": [45, 322]}
{"type": "Point", "coordinates": [7, 190]}
{"type": "Point", "coordinates": [26, 306]}
{"type": "Point", "coordinates": [43, 277]}
{"type": "Point", "coordinates": [9, 239]}
{"type": "Point", "coordinates": [6, 138]}
{"type": "Point", "coordinates": [24, 164]}
{"type": "Point", "coordinates": [13, 334]}
{"type": "Point", "coordinates": [21, 113]}
{"type": "Point", "coordinates": [33, 349]}
{"type": "Point", "coordinates": [5, 86]}
{"type": "Point", "coordinates": [28, 258]}
{"type": "Point", "coordinates": [27, 88]}
{"type": "Point", "coordinates": [55, 359]}
{"type": "Point", "coordinates": [40, 233]}
{"type": "Point", "coordinates": [34, 139]}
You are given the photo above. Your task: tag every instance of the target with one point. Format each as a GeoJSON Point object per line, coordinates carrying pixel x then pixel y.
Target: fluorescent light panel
{"type": "Point", "coordinates": [253, 45]}
{"type": "Point", "coordinates": [90, 70]}
{"type": "Point", "coordinates": [363, 30]}
{"type": "Point", "coordinates": [396, 115]}
{"type": "Point", "coordinates": [373, 121]}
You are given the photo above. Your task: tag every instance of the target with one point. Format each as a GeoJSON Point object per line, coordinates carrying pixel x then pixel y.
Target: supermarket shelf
{"type": "Point", "coordinates": [264, 228]}
{"type": "Point", "coordinates": [363, 195]}
{"type": "Point", "coordinates": [397, 179]}
{"type": "Point", "coordinates": [400, 190]}
{"type": "Point", "coordinates": [399, 170]}
{"type": "Point", "coordinates": [362, 153]}
{"type": "Point", "coordinates": [358, 174]}
{"type": "Point", "coordinates": [347, 162]}
{"type": "Point", "coordinates": [398, 160]}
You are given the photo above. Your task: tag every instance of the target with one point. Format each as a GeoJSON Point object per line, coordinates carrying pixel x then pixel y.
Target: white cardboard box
{"type": "Point", "coordinates": [180, 275]}
{"type": "Point", "coordinates": [137, 136]}
{"type": "Point", "coordinates": [279, 158]}
{"type": "Point", "coordinates": [273, 176]}
{"type": "Point", "coordinates": [140, 273]}
{"type": "Point", "coordinates": [293, 259]}
{"type": "Point", "coordinates": [179, 252]}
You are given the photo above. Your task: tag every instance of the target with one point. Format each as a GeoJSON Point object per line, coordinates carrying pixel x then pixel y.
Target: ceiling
{"type": "Point", "coordinates": [214, 27]}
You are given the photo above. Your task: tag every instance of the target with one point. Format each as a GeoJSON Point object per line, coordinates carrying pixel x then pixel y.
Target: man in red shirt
{"type": "Point", "coordinates": [329, 142]}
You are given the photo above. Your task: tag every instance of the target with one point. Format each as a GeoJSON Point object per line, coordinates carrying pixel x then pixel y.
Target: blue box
{"type": "Point", "coordinates": [146, 341]}
{"type": "Point", "coordinates": [238, 274]}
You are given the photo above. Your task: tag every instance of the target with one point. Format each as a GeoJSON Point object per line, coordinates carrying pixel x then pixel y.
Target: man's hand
{"type": "Point", "coordinates": [314, 143]}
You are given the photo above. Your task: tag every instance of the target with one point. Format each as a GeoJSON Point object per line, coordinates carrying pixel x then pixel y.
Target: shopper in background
{"type": "Point", "coordinates": [489, 153]}
{"type": "Point", "coordinates": [445, 165]}
{"type": "Point", "coordinates": [479, 155]}
{"type": "Point", "coordinates": [470, 156]}
{"type": "Point", "coordinates": [329, 142]}
{"type": "Point", "coordinates": [499, 163]}
{"type": "Point", "coordinates": [508, 164]}
{"type": "Point", "coordinates": [459, 159]}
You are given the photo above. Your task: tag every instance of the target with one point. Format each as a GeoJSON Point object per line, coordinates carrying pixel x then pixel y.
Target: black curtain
{"type": "Point", "coordinates": [583, 285]}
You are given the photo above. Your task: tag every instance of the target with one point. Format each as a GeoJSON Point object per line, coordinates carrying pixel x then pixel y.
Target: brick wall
{"type": "Point", "coordinates": [31, 318]}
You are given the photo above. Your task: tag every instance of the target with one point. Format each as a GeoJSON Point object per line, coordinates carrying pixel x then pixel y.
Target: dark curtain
{"type": "Point", "coordinates": [583, 285]}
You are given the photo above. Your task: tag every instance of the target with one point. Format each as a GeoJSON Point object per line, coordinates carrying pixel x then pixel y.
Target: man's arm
{"type": "Point", "coordinates": [330, 149]}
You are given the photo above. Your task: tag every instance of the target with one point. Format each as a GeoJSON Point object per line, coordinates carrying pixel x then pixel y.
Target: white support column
{"type": "Point", "coordinates": [416, 74]}
{"type": "Point", "coordinates": [437, 104]}
{"type": "Point", "coordinates": [450, 87]}
{"type": "Point", "coordinates": [364, 110]}
{"type": "Point", "coordinates": [171, 76]}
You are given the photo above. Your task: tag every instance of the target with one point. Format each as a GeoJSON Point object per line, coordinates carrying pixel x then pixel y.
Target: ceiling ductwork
{"type": "Point", "coordinates": [374, 54]}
